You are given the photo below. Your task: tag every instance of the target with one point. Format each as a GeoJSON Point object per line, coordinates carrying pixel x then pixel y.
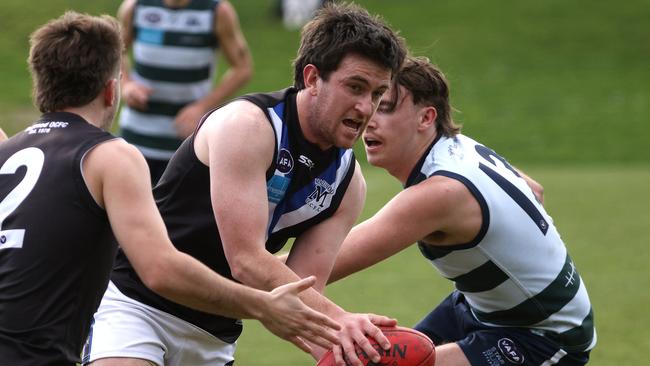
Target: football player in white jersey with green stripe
{"type": "Point", "coordinates": [519, 299]}
{"type": "Point", "coordinates": [171, 82]}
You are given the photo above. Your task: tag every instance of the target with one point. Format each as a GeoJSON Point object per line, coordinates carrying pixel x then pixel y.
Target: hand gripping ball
{"type": "Point", "coordinates": [408, 348]}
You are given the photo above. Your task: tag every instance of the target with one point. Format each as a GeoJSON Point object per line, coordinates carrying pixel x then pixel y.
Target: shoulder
{"type": "Point", "coordinates": [226, 17]}
{"type": "Point", "coordinates": [239, 127]}
{"type": "Point", "coordinates": [114, 155]}
{"type": "Point", "coordinates": [238, 114]}
{"type": "Point", "coordinates": [126, 9]}
{"type": "Point", "coordinates": [113, 163]}
{"type": "Point", "coordinates": [225, 11]}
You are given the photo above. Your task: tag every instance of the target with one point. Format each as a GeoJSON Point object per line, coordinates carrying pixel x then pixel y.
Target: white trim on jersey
{"type": "Point", "coordinates": [147, 124]}
{"type": "Point", "coordinates": [176, 92]}
{"type": "Point", "coordinates": [173, 56]}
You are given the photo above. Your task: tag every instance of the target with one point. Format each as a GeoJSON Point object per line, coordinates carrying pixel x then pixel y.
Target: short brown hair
{"type": "Point", "coordinates": [429, 87]}
{"type": "Point", "coordinates": [71, 58]}
{"type": "Point", "coordinates": [338, 30]}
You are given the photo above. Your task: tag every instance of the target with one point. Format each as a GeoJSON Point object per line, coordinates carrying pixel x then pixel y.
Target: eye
{"type": "Point", "coordinates": [384, 108]}
{"type": "Point", "coordinates": [356, 88]}
{"type": "Point", "coordinates": [376, 95]}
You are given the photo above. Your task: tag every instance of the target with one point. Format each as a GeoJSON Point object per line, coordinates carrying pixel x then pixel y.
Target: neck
{"type": "Point", "coordinates": [92, 115]}
{"type": "Point", "coordinates": [403, 168]}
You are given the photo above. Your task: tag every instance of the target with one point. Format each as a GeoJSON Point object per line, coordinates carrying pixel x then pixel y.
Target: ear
{"type": "Point", "coordinates": [110, 92]}
{"type": "Point", "coordinates": [311, 76]}
{"type": "Point", "coordinates": [428, 117]}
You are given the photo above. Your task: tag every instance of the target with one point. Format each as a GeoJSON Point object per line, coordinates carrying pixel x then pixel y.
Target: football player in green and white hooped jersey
{"type": "Point", "coordinates": [171, 84]}
{"type": "Point", "coordinates": [519, 298]}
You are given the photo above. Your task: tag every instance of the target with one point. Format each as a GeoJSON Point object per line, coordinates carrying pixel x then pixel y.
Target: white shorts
{"type": "Point", "coordinates": [123, 327]}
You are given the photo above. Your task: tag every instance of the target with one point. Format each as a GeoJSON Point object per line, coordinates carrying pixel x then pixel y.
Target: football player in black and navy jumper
{"type": "Point", "coordinates": [260, 170]}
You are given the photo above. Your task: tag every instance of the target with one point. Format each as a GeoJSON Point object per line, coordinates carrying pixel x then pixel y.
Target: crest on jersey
{"type": "Point", "coordinates": [318, 197]}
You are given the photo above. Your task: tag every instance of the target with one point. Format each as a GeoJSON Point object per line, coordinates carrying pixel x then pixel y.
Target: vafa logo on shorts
{"type": "Point", "coordinates": [509, 350]}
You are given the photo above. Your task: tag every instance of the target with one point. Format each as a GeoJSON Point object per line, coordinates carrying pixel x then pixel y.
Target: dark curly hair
{"type": "Point", "coordinates": [338, 30]}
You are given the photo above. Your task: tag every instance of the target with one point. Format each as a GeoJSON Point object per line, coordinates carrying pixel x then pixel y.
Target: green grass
{"type": "Point", "coordinates": [560, 88]}
{"type": "Point", "coordinates": [540, 82]}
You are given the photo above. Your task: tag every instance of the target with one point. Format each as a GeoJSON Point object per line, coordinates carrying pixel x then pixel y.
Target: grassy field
{"type": "Point", "coordinates": [559, 88]}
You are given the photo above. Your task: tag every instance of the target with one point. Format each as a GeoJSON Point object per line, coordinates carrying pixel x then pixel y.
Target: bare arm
{"type": "Point", "coordinates": [139, 229]}
{"type": "Point", "coordinates": [135, 95]}
{"type": "Point", "coordinates": [438, 205]}
{"type": "Point", "coordinates": [235, 51]}
{"type": "Point", "coordinates": [3, 135]}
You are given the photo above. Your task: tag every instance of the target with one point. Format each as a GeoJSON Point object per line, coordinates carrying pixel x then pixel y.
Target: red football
{"type": "Point", "coordinates": [408, 348]}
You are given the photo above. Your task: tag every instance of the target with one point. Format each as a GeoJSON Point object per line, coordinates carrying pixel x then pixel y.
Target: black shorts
{"type": "Point", "coordinates": [452, 321]}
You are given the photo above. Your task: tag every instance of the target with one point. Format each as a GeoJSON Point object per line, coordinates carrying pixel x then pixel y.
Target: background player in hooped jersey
{"type": "Point", "coordinates": [68, 188]}
{"type": "Point", "coordinates": [519, 299]}
{"type": "Point", "coordinates": [258, 171]}
{"type": "Point", "coordinates": [172, 82]}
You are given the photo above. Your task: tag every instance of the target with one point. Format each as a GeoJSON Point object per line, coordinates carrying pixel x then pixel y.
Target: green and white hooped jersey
{"type": "Point", "coordinates": [174, 54]}
{"type": "Point", "coordinates": [517, 271]}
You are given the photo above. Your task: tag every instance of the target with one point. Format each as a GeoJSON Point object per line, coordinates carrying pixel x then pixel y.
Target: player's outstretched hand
{"type": "Point", "coordinates": [290, 319]}
{"type": "Point", "coordinates": [355, 329]}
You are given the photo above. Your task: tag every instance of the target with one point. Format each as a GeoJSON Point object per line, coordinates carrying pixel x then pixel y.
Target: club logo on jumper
{"type": "Point", "coordinates": [153, 17]}
{"type": "Point", "coordinates": [306, 161]}
{"type": "Point", "coordinates": [455, 151]}
{"type": "Point", "coordinates": [46, 127]}
{"type": "Point", "coordinates": [318, 197]}
{"type": "Point", "coordinates": [192, 22]}
{"type": "Point", "coordinates": [510, 352]}
{"type": "Point", "coordinates": [285, 161]}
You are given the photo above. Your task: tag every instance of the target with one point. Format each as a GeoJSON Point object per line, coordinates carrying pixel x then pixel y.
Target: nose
{"type": "Point", "coordinates": [365, 106]}
{"type": "Point", "coordinates": [372, 122]}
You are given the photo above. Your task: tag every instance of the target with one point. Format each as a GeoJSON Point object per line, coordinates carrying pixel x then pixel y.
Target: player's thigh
{"type": "Point", "coordinates": [124, 330]}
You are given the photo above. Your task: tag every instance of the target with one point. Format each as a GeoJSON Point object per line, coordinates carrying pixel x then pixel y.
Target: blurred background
{"type": "Point", "coordinates": [559, 88]}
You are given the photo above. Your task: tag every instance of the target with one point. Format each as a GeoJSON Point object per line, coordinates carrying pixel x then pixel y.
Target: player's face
{"type": "Point", "coordinates": [346, 101]}
{"type": "Point", "coordinates": [391, 134]}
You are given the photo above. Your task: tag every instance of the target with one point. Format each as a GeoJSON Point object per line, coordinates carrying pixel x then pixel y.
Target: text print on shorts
{"type": "Point", "coordinates": [509, 350]}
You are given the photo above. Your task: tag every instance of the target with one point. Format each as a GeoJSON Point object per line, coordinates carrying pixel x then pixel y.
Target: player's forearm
{"type": "Point", "coordinates": [186, 281]}
{"type": "Point", "coordinates": [267, 271]}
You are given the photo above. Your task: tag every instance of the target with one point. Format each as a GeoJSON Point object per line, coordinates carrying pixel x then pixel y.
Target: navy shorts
{"type": "Point", "coordinates": [452, 321]}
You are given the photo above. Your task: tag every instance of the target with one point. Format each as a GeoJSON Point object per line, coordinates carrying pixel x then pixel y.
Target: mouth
{"type": "Point", "coordinates": [371, 142]}
{"type": "Point", "coordinates": [353, 124]}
